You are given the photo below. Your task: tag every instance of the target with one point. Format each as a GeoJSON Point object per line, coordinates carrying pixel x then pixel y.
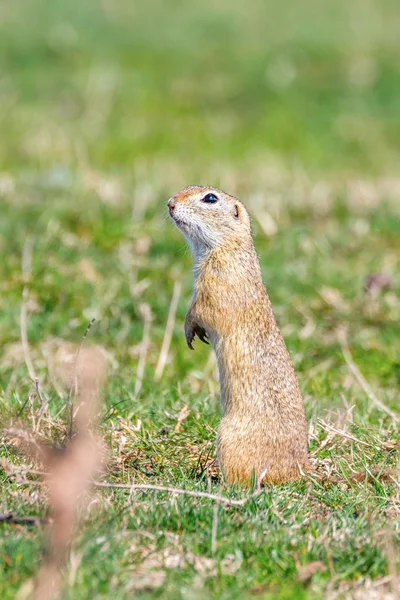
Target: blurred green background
{"type": "Point", "coordinates": [315, 82]}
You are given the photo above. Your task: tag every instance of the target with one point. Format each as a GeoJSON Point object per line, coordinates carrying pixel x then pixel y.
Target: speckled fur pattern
{"type": "Point", "coordinates": [263, 427]}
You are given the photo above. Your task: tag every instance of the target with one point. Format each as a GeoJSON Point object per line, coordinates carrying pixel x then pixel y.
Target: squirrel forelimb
{"type": "Point", "coordinates": [192, 328]}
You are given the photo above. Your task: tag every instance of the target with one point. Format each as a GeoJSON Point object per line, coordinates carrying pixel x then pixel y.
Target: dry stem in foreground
{"type": "Point", "coordinates": [69, 471]}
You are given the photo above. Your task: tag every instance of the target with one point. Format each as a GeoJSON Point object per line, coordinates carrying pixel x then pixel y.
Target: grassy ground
{"type": "Point", "coordinates": [108, 108]}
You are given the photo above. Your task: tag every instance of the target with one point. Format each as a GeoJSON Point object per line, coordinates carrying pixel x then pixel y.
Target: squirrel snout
{"type": "Point", "coordinates": [171, 205]}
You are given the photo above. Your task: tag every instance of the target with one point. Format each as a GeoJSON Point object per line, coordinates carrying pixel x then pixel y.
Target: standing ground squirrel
{"type": "Point", "coordinates": [263, 428]}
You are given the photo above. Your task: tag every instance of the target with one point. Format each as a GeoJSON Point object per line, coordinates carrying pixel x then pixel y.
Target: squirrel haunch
{"type": "Point", "coordinates": [263, 427]}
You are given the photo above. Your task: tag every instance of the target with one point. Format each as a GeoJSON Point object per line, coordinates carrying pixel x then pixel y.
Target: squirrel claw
{"type": "Point", "coordinates": [203, 336]}
{"type": "Point", "coordinates": [192, 332]}
{"type": "Point", "coordinates": [189, 339]}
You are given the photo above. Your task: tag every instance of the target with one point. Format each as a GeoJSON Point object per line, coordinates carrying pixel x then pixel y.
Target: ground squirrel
{"type": "Point", "coordinates": [263, 428]}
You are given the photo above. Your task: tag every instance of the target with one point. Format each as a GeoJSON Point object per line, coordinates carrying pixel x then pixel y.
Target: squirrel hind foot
{"type": "Point", "coordinates": [270, 464]}
{"type": "Point", "coordinates": [247, 477]}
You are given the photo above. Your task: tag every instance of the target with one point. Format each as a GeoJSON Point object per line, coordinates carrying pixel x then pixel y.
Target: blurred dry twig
{"type": "Point", "coordinates": [69, 471]}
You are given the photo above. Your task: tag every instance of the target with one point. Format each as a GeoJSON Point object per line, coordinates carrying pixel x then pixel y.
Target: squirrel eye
{"type": "Point", "coordinates": [210, 198]}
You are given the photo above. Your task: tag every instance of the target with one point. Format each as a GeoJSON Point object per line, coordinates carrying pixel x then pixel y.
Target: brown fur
{"type": "Point", "coordinates": [263, 427]}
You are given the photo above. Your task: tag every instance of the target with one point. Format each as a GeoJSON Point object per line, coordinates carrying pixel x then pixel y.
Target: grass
{"type": "Point", "coordinates": [109, 108]}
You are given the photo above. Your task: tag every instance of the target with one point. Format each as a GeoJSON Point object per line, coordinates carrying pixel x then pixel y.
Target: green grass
{"type": "Point", "coordinates": [107, 108]}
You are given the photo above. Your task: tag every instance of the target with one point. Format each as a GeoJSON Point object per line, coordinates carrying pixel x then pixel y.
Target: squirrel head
{"type": "Point", "coordinates": [209, 218]}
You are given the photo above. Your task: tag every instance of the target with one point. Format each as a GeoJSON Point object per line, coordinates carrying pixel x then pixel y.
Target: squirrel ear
{"type": "Point", "coordinates": [236, 211]}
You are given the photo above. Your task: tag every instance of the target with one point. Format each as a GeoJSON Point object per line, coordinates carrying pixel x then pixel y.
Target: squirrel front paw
{"type": "Point", "coordinates": [191, 330]}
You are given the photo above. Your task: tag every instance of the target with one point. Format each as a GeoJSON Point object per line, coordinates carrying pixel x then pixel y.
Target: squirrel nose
{"type": "Point", "coordinates": [171, 204]}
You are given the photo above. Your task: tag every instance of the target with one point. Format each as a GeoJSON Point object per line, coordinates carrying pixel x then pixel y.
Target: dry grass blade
{"type": "Point", "coordinates": [182, 492]}
{"type": "Point", "coordinates": [214, 529]}
{"type": "Point", "coordinates": [26, 266]}
{"type": "Point", "coordinates": [179, 492]}
{"type": "Point", "coordinates": [162, 359]}
{"type": "Point", "coordinates": [183, 414]}
{"type": "Point", "coordinates": [26, 274]}
{"type": "Point", "coordinates": [145, 313]}
{"type": "Point", "coordinates": [332, 429]}
{"type": "Point", "coordinates": [163, 489]}
{"type": "Point", "coordinates": [361, 379]}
